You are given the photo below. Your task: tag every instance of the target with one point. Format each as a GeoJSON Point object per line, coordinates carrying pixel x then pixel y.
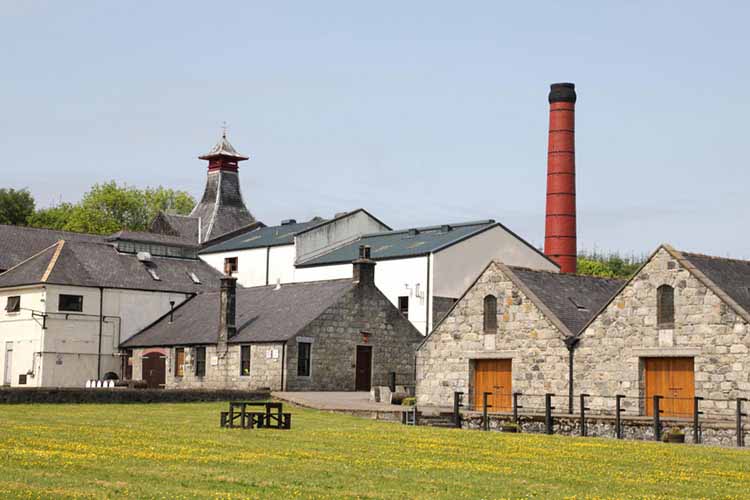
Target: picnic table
{"type": "Point", "coordinates": [240, 415]}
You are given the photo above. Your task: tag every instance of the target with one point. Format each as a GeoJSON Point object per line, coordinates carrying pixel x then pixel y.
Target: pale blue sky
{"type": "Point", "coordinates": [422, 112]}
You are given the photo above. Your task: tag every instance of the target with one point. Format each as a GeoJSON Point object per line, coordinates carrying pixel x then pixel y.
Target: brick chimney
{"type": "Point", "coordinates": [560, 222]}
{"type": "Point", "coordinates": [364, 267]}
{"type": "Point", "coordinates": [227, 311]}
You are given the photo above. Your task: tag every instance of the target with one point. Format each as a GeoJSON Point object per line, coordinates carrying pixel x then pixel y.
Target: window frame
{"type": "Point", "coordinates": [179, 368]}
{"type": "Point", "coordinates": [246, 360]}
{"type": "Point", "coordinates": [307, 360]}
{"type": "Point", "coordinates": [68, 297]}
{"type": "Point", "coordinates": [665, 311]}
{"type": "Point", "coordinates": [231, 265]}
{"type": "Point", "coordinates": [403, 310]}
{"type": "Point", "coordinates": [489, 314]}
{"type": "Point", "coordinates": [16, 308]}
{"type": "Point", "coordinates": [200, 361]}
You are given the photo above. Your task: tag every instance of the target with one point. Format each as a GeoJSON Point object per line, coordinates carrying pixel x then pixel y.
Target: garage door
{"type": "Point", "coordinates": [673, 378]}
{"type": "Point", "coordinates": [493, 376]}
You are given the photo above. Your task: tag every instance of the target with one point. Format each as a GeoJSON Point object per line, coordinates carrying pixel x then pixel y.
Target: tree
{"type": "Point", "coordinates": [608, 266]}
{"type": "Point", "coordinates": [15, 206]}
{"type": "Point", "coordinates": [108, 208]}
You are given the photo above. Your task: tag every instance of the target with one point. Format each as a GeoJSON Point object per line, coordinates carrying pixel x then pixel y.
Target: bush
{"type": "Point", "coordinates": [409, 401]}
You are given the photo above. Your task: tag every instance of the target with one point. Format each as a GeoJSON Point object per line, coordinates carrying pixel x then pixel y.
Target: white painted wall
{"type": "Point", "coordinates": [24, 332]}
{"type": "Point", "coordinates": [457, 266]}
{"type": "Point", "coordinates": [281, 264]}
{"type": "Point", "coordinates": [251, 264]}
{"type": "Point", "coordinates": [321, 239]}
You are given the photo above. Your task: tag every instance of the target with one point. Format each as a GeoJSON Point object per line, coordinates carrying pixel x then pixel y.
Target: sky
{"type": "Point", "coordinates": [422, 112]}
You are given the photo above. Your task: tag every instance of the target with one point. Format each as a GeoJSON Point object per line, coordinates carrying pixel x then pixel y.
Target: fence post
{"type": "Point", "coordinates": [485, 420]}
{"type": "Point", "coordinates": [583, 414]}
{"type": "Point", "coordinates": [392, 381]}
{"type": "Point", "coordinates": [456, 405]}
{"type": "Point", "coordinates": [696, 422]}
{"type": "Point", "coordinates": [740, 433]}
{"type": "Point", "coordinates": [548, 412]}
{"type": "Point", "coordinates": [516, 406]}
{"type": "Point", "coordinates": [657, 418]}
{"type": "Point", "coordinates": [618, 410]}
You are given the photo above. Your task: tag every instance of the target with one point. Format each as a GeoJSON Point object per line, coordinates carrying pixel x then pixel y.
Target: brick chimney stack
{"type": "Point", "coordinates": [560, 222]}
{"type": "Point", "coordinates": [364, 267]}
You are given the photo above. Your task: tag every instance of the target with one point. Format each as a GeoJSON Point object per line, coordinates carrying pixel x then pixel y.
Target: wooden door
{"type": "Point", "coordinates": [363, 377]}
{"type": "Point", "coordinates": [673, 378]}
{"type": "Point", "coordinates": [154, 370]}
{"type": "Point", "coordinates": [494, 376]}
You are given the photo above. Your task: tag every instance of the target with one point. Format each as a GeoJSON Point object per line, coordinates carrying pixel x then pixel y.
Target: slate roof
{"type": "Point", "coordinates": [221, 208]}
{"type": "Point", "coordinates": [145, 237]}
{"type": "Point", "coordinates": [18, 243]}
{"type": "Point", "coordinates": [81, 263]}
{"type": "Point", "coordinates": [264, 314]}
{"type": "Point", "coordinates": [263, 237]}
{"type": "Point", "coordinates": [571, 298]}
{"type": "Point", "coordinates": [732, 276]}
{"type": "Point", "coordinates": [223, 148]}
{"type": "Point", "coordinates": [183, 226]}
{"type": "Point", "coordinates": [403, 243]}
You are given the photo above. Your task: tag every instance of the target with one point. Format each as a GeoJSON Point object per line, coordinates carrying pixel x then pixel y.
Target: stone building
{"type": "Point", "coordinates": [335, 335]}
{"type": "Point", "coordinates": [679, 329]}
{"type": "Point", "coordinates": [512, 330]}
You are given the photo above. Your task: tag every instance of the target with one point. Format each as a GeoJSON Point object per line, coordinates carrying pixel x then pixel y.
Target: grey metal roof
{"type": "Point", "coordinates": [264, 314]}
{"type": "Point", "coordinates": [573, 299]}
{"type": "Point", "coordinates": [80, 263]}
{"type": "Point", "coordinates": [403, 243]}
{"type": "Point", "coordinates": [263, 237]}
{"type": "Point", "coordinates": [730, 275]}
{"type": "Point", "coordinates": [18, 243]}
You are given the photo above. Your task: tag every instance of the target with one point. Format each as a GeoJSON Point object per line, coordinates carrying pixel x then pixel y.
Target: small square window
{"type": "Point", "coordinates": [70, 303]}
{"type": "Point", "coordinates": [231, 265]}
{"type": "Point", "coordinates": [14, 304]}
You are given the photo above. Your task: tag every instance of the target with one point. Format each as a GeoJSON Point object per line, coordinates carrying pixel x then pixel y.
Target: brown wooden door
{"type": "Point", "coordinates": [363, 378]}
{"type": "Point", "coordinates": [154, 370]}
{"type": "Point", "coordinates": [494, 376]}
{"type": "Point", "coordinates": [673, 378]}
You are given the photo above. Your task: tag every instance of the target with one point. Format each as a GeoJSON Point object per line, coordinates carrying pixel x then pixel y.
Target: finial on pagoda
{"type": "Point", "coordinates": [223, 156]}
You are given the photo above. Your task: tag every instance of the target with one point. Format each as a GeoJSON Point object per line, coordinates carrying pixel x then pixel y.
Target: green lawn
{"type": "Point", "coordinates": [179, 451]}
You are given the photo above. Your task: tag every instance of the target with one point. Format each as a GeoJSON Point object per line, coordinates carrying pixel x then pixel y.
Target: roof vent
{"type": "Point", "coordinates": [286, 222]}
{"type": "Point", "coordinates": [579, 307]}
{"type": "Point", "coordinates": [144, 256]}
{"type": "Point", "coordinates": [278, 284]}
{"type": "Point", "coordinates": [446, 228]}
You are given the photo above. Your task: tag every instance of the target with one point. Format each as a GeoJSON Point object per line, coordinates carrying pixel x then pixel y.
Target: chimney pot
{"type": "Point", "coordinates": [364, 267]}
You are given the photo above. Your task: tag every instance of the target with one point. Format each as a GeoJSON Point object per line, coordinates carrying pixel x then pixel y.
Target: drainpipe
{"type": "Point", "coordinates": [101, 326]}
{"type": "Point", "coordinates": [268, 264]}
{"type": "Point", "coordinates": [427, 300]}
{"type": "Point", "coordinates": [570, 343]}
{"type": "Point", "coordinates": [283, 364]}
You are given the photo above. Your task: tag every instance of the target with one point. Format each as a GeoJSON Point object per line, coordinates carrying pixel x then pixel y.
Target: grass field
{"type": "Point", "coordinates": [178, 451]}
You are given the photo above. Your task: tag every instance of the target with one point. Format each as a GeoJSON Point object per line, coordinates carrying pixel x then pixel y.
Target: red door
{"type": "Point", "coordinates": [154, 370]}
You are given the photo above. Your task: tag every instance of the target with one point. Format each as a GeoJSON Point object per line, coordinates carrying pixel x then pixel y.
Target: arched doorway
{"type": "Point", "coordinates": [154, 370]}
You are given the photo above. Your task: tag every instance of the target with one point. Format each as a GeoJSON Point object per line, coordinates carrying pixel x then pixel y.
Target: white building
{"type": "Point", "coordinates": [421, 270]}
{"type": "Point", "coordinates": [66, 309]}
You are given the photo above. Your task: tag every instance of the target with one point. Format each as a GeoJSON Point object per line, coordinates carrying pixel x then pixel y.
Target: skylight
{"type": "Point", "coordinates": [580, 307]}
{"type": "Point", "coordinates": [153, 274]}
{"type": "Point", "coordinates": [194, 277]}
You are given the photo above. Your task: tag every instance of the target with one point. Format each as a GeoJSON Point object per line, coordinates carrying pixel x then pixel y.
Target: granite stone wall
{"type": "Point", "coordinates": [609, 358]}
{"type": "Point", "coordinates": [445, 361]}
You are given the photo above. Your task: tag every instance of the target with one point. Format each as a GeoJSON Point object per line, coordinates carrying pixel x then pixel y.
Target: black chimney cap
{"type": "Point", "coordinates": [562, 92]}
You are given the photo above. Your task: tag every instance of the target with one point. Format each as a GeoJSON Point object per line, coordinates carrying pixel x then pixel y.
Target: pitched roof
{"type": "Point", "coordinates": [262, 237]}
{"type": "Point", "coordinates": [223, 148]}
{"type": "Point", "coordinates": [80, 263]}
{"type": "Point", "coordinates": [569, 298]}
{"type": "Point", "coordinates": [264, 314]}
{"type": "Point", "coordinates": [18, 243]}
{"type": "Point", "coordinates": [183, 226]}
{"type": "Point", "coordinates": [147, 237]}
{"type": "Point", "coordinates": [221, 208]}
{"type": "Point", "coordinates": [403, 243]}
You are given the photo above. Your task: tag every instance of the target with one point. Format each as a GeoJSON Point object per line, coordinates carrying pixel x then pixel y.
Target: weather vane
{"type": "Point", "coordinates": [224, 129]}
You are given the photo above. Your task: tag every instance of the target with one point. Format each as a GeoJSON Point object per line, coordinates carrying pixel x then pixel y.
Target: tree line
{"type": "Point", "coordinates": [104, 209]}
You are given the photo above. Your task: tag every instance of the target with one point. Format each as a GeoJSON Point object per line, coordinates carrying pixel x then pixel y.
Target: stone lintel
{"type": "Point", "coordinates": [667, 352]}
{"type": "Point", "coordinates": [491, 354]}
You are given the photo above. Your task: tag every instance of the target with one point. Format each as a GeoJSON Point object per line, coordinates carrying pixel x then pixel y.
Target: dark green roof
{"type": "Point", "coordinates": [404, 243]}
{"type": "Point", "coordinates": [262, 237]}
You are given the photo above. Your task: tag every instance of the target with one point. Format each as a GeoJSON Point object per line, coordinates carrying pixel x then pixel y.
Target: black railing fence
{"type": "Point", "coordinates": [659, 408]}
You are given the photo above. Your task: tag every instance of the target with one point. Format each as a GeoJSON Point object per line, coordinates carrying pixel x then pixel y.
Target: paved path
{"type": "Point", "coordinates": [337, 401]}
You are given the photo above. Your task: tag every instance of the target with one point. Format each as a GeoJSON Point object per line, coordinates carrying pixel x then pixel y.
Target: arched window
{"type": "Point", "coordinates": [665, 307]}
{"type": "Point", "coordinates": [490, 314]}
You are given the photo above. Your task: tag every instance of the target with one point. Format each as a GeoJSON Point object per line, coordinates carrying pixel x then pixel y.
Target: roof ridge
{"type": "Point", "coordinates": [47, 229]}
{"type": "Point", "coordinates": [298, 283]}
{"type": "Point", "coordinates": [433, 227]}
{"type": "Point", "coordinates": [714, 257]}
{"type": "Point", "coordinates": [40, 252]}
{"type": "Point", "coordinates": [60, 244]}
{"type": "Point", "coordinates": [571, 275]}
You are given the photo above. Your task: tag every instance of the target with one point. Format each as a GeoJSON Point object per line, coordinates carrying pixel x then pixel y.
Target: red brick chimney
{"type": "Point", "coordinates": [560, 222]}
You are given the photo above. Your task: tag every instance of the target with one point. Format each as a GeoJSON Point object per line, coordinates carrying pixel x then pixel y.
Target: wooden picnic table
{"type": "Point", "coordinates": [273, 416]}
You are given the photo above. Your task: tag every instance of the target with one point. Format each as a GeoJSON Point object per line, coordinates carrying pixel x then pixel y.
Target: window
{"type": "Point", "coordinates": [194, 277]}
{"type": "Point", "coordinates": [665, 307]}
{"type": "Point", "coordinates": [245, 361]}
{"type": "Point", "coordinates": [200, 361]}
{"type": "Point", "coordinates": [72, 303]}
{"type": "Point", "coordinates": [403, 306]}
{"type": "Point", "coordinates": [303, 359]}
{"type": "Point", "coordinates": [230, 265]}
{"type": "Point", "coordinates": [490, 314]}
{"type": "Point", "coordinates": [179, 361]}
{"type": "Point", "coordinates": [14, 304]}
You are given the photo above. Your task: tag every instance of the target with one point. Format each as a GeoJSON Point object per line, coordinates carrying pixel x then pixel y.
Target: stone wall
{"type": "Point", "coordinates": [337, 332]}
{"type": "Point", "coordinates": [535, 346]}
{"type": "Point", "coordinates": [609, 358]}
{"type": "Point", "coordinates": [121, 395]}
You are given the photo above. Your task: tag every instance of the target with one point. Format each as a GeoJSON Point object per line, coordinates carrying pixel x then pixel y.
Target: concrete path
{"type": "Point", "coordinates": [347, 402]}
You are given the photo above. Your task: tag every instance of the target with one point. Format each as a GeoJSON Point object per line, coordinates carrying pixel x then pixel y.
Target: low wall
{"type": "Point", "coordinates": [712, 432]}
{"type": "Point", "coordinates": [123, 395]}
